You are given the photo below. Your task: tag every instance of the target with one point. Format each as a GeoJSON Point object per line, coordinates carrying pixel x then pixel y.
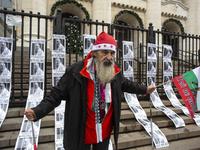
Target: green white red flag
{"type": "Point", "coordinates": [188, 85]}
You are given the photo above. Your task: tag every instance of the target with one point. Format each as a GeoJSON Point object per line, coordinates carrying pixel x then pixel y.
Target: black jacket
{"type": "Point", "coordinates": [72, 87]}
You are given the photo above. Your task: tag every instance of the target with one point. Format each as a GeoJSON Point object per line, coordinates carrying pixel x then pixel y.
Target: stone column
{"type": "Point", "coordinates": [192, 24]}
{"type": "Point", "coordinates": [35, 6]}
{"type": "Point", "coordinates": [102, 12]}
{"type": "Point", "coordinates": [153, 14]}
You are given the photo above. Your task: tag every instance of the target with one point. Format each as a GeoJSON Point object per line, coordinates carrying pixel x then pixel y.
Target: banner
{"type": "Point", "coordinates": [58, 69]}
{"type": "Point", "coordinates": [35, 94]}
{"type": "Point", "coordinates": [159, 138]}
{"type": "Point", "coordinates": [188, 87]}
{"type": "Point", "coordinates": [5, 75]}
{"type": "Point", "coordinates": [151, 79]}
{"type": "Point", "coordinates": [168, 75]}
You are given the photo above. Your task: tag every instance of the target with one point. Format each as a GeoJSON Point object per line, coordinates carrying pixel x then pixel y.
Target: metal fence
{"type": "Point", "coordinates": [185, 47]}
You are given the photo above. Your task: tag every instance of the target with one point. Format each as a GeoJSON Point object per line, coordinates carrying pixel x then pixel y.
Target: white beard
{"type": "Point", "coordinates": [104, 72]}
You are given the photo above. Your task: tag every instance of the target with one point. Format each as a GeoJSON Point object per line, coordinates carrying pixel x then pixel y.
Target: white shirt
{"type": "Point", "coordinates": [4, 93]}
{"type": "Point", "coordinates": [5, 72]}
{"type": "Point", "coordinates": [61, 67]}
{"type": "Point", "coordinates": [6, 52]}
{"type": "Point", "coordinates": [61, 48]}
{"type": "Point", "coordinates": [40, 52]}
{"type": "Point", "coordinates": [39, 71]}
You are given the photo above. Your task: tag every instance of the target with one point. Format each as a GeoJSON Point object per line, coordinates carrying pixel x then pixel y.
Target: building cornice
{"type": "Point", "coordinates": [125, 6]}
{"type": "Point", "coordinates": [87, 0]}
{"type": "Point", "coordinates": [166, 14]}
{"type": "Point", "coordinates": [175, 3]}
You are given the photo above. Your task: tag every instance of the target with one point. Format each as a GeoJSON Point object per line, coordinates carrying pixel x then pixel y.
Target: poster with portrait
{"type": "Point", "coordinates": [35, 94]}
{"type": "Point", "coordinates": [6, 49]}
{"type": "Point", "coordinates": [132, 100]}
{"type": "Point", "coordinates": [88, 42]}
{"type": "Point", "coordinates": [58, 44]}
{"type": "Point", "coordinates": [128, 59]}
{"type": "Point", "coordinates": [151, 80]}
{"type": "Point", "coordinates": [58, 69]}
{"type": "Point", "coordinates": [167, 76]}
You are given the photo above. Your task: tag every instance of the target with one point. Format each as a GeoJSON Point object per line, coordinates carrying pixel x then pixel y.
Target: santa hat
{"type": "Point", "coordinates": [105, 42]}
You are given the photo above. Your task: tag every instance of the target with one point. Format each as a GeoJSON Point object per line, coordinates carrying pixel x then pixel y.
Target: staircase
{"type": "Point", "coordinates": [132, 135]}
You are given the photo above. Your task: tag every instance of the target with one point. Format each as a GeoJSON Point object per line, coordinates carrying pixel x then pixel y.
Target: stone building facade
{"type": "Point", "coordinates": [173, 15]}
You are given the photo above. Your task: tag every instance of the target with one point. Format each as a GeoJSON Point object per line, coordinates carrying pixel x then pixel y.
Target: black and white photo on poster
{"type": "Point", "coordinates": [58, 65]}
{"type": "Point", "coordinates": [37, 48]}
{"type": "Point", "coordinates": [25, 143]}
{"type": "Point", "coordinates": [5, 68]}
{"type": "Point", "coordinates": [6, 46]}
{"type": "Point", "coordinates": [127, 49]}
{"type": "Point", "coordinates": [36, 89]}
{"type": "Point", "coordinates": [151, 67]}
{"type": "Point", "coordinates": [59, 132]}
{"type": "Point", "coordinates": [59, 45]}
{"type": "Point", "coordinates": [151, 51]}
{"type": "Point", "coordinates": [88, 43]}
{"type": "Point", "coordinates": [167, 78]}
{"type": "Point", "coordinates": [26, 129]}
{"type": "Point", "coordinates": [167, 52]}
{"type": "Point", "coordinates": [37, 68]}
{"type": "Point", "coordinates": [158, 138]}
{"type": "Point", "coordinates": [5, 88]}
{"type": "Point", "coordinates": [128, 66]}
{"type": "Point", "coordinates": [60, 116]}
{"type": "Point", "coordinates": [167, 67]}
{"type": "Point", "coordinates": [151, 80]}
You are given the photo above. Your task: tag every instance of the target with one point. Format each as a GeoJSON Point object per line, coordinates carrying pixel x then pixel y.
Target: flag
{"type": "Point", "coordinates": [188, 85]}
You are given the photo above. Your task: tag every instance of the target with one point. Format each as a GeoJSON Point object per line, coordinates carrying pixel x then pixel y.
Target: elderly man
{"type": "Point", "coordinates": [3, 70]}
{"type": "Point", "coordinates": [92, 89]}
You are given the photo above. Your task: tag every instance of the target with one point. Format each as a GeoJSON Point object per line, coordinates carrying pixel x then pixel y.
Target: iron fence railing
{"type": "Point", "coordinates": [186, 47]}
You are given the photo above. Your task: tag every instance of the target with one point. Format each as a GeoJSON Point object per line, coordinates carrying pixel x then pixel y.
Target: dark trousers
{"type": "Point", "coordinates": [99, 146]}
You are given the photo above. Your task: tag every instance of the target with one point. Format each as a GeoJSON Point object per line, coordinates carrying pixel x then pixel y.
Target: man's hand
{"type": "Point", "coordinates": [30, 114]}
{"type": "Point", "coordinates": [150, 89]}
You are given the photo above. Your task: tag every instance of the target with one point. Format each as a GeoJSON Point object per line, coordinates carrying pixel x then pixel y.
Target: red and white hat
{"type": "Point", "coordinates": [105, 42]}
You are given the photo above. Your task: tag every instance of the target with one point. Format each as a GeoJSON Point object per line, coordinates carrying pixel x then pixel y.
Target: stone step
{"type": "Point", "coordinates": [182, 144]}
{"type": "Point", "coordinates": [141, 138]}
{"type": "Point", "coordinates": [129, 138]}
